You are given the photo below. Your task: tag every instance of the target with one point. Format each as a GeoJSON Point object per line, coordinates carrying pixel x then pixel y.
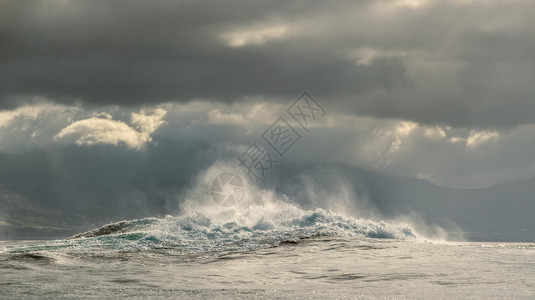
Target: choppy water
{"type": "Point", "coordinates": [263, 252]}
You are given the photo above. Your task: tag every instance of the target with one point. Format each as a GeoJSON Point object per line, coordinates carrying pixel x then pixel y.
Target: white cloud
{"type": "Point", "coordinates": [449, 156]}
{"type": "Point", "coordinates": [254, 37]}
{"type": "Point", "coordinates": [435, 132]}
{"type": "Point", "coordinates": [410, 3]}
{"type": "Point", "coordinates": [102, 131]}
{"type": "Point", "coordinates": [32, 126]}
{"type": "Point", "coordinates": [445, 155]}
{"type": "Point", "coordinates": [42, 125]}
{"type": "Point", "coordinates": [98, 130]}
{"type": "Point", "coordinates": [31, 113]}
{"type": "Point", "coordinates": [478, 138]}
{"type": "Point", "coordinates": [215, 116]}
{"type": "Point", "coordinates": [148, 120]}
{"type": "Point", "coordinates": [456, 139]}
{"type": "Point", "coordinates": [365, 56]}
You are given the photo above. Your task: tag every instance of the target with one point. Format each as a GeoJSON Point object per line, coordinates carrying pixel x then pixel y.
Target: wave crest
{"type": "Point", "coordinates": [223, 230]}
{"type": "Point", "coordinates": [233, 230]}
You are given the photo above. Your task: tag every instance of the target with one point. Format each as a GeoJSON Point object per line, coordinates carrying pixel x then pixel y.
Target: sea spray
{"type": "Point", "coordinates": [227, 231]}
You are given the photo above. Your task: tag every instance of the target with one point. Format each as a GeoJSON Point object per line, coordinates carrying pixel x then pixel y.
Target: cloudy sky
{"type": "Point", "coordinates": [436, 90]}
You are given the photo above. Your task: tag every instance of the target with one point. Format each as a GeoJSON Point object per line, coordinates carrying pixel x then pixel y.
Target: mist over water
{"type": "Point", "coordinates": [262, 219]}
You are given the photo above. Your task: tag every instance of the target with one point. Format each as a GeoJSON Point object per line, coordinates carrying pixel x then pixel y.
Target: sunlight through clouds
{"type": "Point", "coordinates": [478, 138]}
{"type": "Point", "coordinates": [104, 130]}
{"type": "Point", "coordinates": [254, 37]}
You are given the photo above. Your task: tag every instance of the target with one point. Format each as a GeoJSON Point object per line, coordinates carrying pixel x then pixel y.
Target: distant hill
{"type": "Point", "coordinates": [21, 218]}
{"type": "Point", "coordinates": [502, 212]}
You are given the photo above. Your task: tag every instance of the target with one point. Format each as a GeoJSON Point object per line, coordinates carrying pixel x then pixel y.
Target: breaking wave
{"type": "Point", "coordinates": [223, 230]}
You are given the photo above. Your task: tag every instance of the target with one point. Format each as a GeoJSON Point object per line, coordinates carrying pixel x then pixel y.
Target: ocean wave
{"type": "Point", "coordinates": [221, 230]}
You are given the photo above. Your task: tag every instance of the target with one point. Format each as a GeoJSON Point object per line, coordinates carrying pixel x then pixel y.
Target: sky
{"type": "Point", "coordinates": [435, 90]}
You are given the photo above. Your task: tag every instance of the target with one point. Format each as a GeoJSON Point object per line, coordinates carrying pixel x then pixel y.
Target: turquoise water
{"type": "Point", "coordinates": [199, 233]}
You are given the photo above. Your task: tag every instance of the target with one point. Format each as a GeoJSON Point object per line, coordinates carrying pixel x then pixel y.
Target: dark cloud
{"type": "Point", "coordinates": [458, 63]}
{"type": "Point", "coordinates": [105, 53]}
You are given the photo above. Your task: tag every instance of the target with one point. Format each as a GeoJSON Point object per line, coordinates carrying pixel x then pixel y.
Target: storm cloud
{"type": "Point", "coordinates": [457, 63]}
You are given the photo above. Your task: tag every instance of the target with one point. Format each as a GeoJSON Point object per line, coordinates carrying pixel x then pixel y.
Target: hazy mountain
{"type": "Point", "coordinates": [500, 212]}
{"type": "Point", "coordinates": [21, 218]}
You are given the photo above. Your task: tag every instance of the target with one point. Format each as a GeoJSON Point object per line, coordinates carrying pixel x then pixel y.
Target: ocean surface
{"type": "Point", "coordinates": [275, 251]}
